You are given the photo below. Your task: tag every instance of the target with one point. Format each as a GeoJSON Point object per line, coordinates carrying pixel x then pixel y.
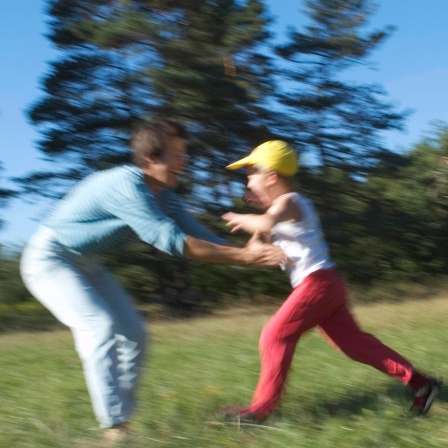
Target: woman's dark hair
{"type": "Point", "coordinates": [150, 139]}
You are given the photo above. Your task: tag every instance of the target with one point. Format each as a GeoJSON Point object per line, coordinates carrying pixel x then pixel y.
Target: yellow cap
{"type": "Point", "coordinates": [275, 155]}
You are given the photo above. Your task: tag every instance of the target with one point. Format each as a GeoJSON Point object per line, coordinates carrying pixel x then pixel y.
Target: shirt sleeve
{"type": "Point", "coordinates": [190, 225]}
{"type": "Point", "coordinates": [138, 208]}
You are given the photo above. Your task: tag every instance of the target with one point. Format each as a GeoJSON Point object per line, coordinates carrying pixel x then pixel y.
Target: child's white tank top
{"type": "Point", "coordinates": [302, 241]}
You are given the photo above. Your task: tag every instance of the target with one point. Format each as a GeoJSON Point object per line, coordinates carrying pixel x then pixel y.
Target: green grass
{"type": "Point", "coordinates": [195, 367]}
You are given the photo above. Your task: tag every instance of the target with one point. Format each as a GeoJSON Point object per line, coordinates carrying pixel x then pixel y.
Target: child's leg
{"type": "Point", "coordinates": [344, 332]}
{"type": "Point", "coordinates": [309, 304]}
{"type": "Point", "coordinates": [342, 329]}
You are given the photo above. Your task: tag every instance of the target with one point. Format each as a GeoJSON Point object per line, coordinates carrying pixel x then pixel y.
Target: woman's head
{"type": "Point", "coordinates": [150, 140]}
{"type": "Point", "coordinates": [159, 149]}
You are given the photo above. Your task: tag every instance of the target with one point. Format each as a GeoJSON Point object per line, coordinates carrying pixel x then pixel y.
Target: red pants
{"type": "Point", "coordinates": [320, 300]}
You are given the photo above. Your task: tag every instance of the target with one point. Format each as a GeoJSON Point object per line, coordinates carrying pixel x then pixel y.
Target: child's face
{"type": "Point", "coordinates": [256, 183]}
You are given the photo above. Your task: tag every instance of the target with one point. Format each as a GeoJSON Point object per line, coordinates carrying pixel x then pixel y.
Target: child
{"type": "Point", "coordinates": [319, 295]}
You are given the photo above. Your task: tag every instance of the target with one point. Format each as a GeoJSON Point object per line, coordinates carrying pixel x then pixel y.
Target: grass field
{"type": "Point", "coordinates": [195, 367]}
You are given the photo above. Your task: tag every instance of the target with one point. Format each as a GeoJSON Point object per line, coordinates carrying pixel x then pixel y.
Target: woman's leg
{"type": "Point", "coordinates": [60, 281]}
{"type": "Point", "coordinates": [130, 335]}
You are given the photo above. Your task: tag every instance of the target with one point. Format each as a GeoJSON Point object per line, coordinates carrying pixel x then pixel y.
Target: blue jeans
{"type": "Point", "coordinates": [108, 332]}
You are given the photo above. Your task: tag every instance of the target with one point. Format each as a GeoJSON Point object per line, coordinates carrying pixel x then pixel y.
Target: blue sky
{"type": "Point", "coordinates": [412, 66]}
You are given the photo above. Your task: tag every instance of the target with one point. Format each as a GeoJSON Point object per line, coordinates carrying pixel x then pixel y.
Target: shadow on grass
{"type": "Point", "coordinates": [355, 404]}
{"type": "Point", "coordinates": [443, 396]}
{"type": "Point", "coordinates": [358, 402]}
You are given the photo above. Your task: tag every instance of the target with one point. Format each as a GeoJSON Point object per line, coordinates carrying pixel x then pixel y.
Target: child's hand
{"type": "Point", "coordinates": [254, 242]}
{"type": "Point", "coordinates": [235, 220]}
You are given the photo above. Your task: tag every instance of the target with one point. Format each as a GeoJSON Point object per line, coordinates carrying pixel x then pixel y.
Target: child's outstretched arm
{"type": "Point", "coordinates": [250, 223]}
{"type": "Point", "coordinates": [283, 210]}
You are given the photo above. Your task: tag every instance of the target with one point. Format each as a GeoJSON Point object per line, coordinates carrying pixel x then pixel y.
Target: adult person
{"type": "Point", "coordinates": [102, 211]}
{"type": "Point", "coordinates": [319, 296]}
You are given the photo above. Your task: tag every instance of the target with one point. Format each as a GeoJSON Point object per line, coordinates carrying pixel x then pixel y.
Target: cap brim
{"type": "Point", "coordinates": [239, 163]}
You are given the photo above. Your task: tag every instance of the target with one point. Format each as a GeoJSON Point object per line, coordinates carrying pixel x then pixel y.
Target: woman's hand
{"type": "Point", "coordinates": [264, 254]}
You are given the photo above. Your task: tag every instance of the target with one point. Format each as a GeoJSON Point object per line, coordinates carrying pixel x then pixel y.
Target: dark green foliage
{"type": "Point", "coordinates": [12, 289]}
{"type": "Point", "coordinates": [336, 123]}
{"type": "Point", "coordinates": [5, 195]}
{"type": "Point", "coordinates": [197, 62]}
{"type": "Point", "coordinates": [93, 95]}
{"type": "Point", "coordinates": [208, 64]}
{"type": "Point", "coordinates": [395, 227]}
{"type": "Point", "coordinates": [184, 287]}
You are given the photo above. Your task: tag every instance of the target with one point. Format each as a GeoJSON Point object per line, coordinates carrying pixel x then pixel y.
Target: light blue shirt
{"type": "Point", "coordinates": [108, 207]}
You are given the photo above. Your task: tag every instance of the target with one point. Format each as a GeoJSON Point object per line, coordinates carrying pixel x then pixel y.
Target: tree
{"type": "Point", "coordinates": [92, 97]}
{"type": "Point", "coordinates": [398, 229]}
{"type": "Point", "coordinates": [122, 61]}
{"type": "Point", "coordinates": [5, 195]}
{"type": "Point", "coordinates": [198, 62]}
{"type": "Point", "coordinates": [337, 123]}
